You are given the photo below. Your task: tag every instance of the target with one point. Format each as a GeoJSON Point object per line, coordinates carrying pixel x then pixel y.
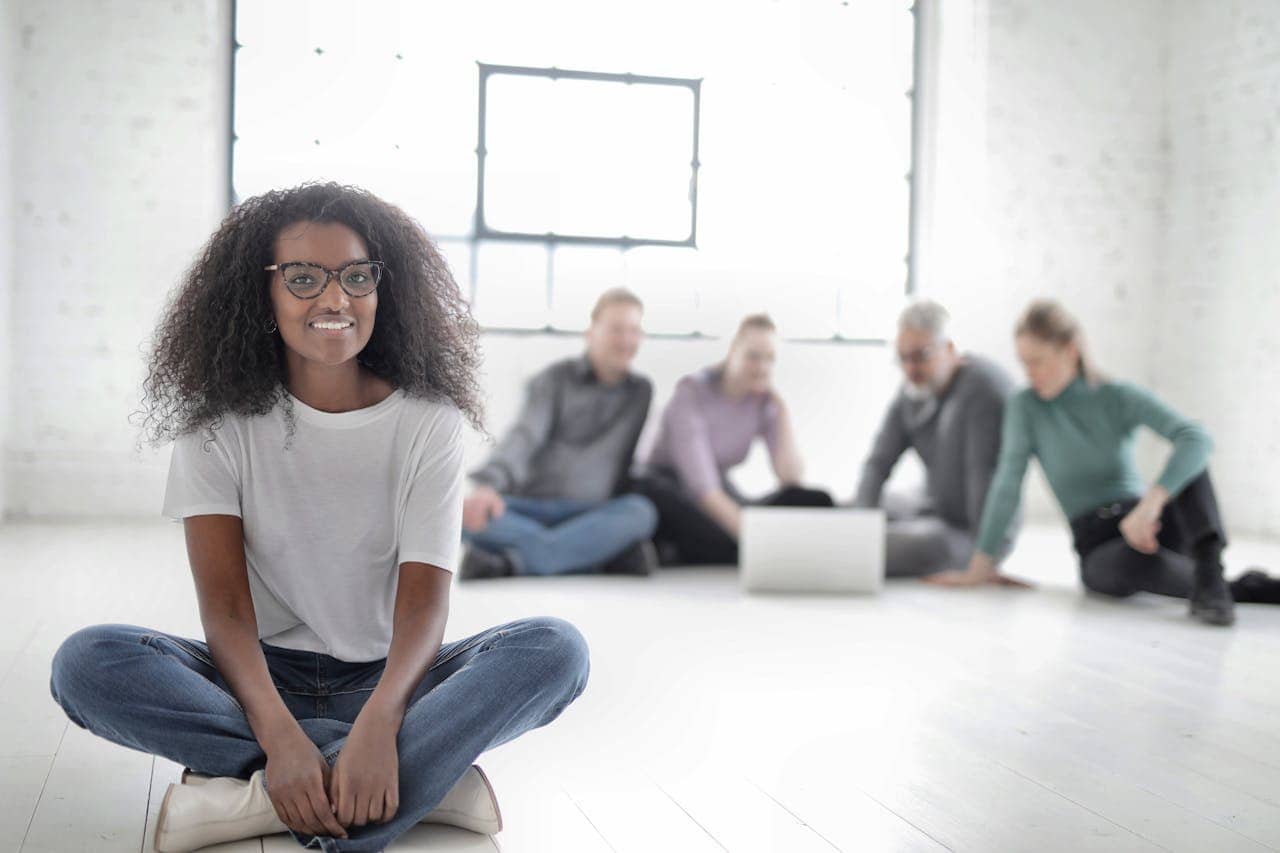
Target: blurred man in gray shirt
{"type": "Point", "coordinates": [549, 499]}
{"type": "Point", "coordinates": [949, 410]}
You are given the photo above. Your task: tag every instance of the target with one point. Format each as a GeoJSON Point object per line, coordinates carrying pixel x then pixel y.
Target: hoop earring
{"type": "Point", "coordinates": [271, 327]}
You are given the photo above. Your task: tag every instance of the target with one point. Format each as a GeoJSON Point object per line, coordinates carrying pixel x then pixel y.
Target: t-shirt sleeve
{"type": "Point", "coordinates": [431, 529]}
{"type": "Point", "coordinates": [204, 475]}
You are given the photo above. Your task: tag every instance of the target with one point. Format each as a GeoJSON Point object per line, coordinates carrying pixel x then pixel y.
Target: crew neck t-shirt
{"type": "Point", "coordinates": [329, 519]}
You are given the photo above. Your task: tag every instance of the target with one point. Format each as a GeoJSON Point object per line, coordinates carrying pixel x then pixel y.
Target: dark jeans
{"type": "Point", "coordinates": [1191, 530]}
{"type": "Point", "coordinates": [688, 536]}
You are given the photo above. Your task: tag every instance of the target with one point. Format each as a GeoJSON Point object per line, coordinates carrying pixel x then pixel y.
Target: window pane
{"type": "Point", "coordinates": [581, 274]}
{"type": "Point", "coordinates": [514, 294]}
{"type": "Point", "coordinates": [666, 280]}
{"type": "Point", "coordinates": [586, 157]}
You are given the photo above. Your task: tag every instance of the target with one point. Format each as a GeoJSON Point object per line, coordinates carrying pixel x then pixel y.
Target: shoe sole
{"type": "Point", "coordinates": [162, 817]}
{"type": "Point", "coordinates": [1223, 620]}
{"type": "Point", "coordinates": [459, 819]}
{"type": "Point", "coordinates": [493, 796]}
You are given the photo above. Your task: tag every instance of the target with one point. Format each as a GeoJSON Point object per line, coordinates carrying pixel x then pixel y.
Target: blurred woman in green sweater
{"type": "Point", "coordinates": [1167, 538]}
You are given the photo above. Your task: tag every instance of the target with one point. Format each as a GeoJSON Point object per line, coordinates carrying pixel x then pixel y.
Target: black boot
{"type": "Point", "coordinates": [1256, 586]}
{"type": "Point", "coordinates": [479, 563]}
{"type": "Point", "coordinates": [668, 553]}
{"type": "Point", "coordinates": [637, 559]}
{"type": "Point", "coordinates": [1210, 598]}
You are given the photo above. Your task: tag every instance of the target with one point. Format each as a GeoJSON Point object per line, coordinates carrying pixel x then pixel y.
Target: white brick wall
{"type": "Point", "coordinates": [1075, 175]}
{"type": "Point", "coordinates": [9, 42]}
{"type": "Point", "coordinates": [1050, 177]}
{"type": "Point", "coordinates": [1214, 347]}
{"type": "Point", "coordinates": [1129, 167]}
{"type": "Point", "coordinates": [121, 174]}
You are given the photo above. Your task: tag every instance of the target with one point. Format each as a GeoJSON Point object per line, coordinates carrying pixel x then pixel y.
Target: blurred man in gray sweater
{"type": "Point", "coordinates": [552, 497]}
{"type": "Point", "coordinates": [949, 410]}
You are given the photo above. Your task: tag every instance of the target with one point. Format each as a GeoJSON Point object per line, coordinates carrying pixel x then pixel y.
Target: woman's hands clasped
{"type": "Point", "coordinates": [365, 786]}
{"type": "Point", "coordinates": [298, 779]}
{"type": "Point", "coordinates": [362, 787]}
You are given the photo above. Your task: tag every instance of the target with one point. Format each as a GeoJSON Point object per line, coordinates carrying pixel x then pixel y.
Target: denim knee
{"type": "Point", "coordinates": [565, 656]}
{"type": "Point", "coordinates": [77, 663]}
{"type": "Point", "coordinates": [643, 512]}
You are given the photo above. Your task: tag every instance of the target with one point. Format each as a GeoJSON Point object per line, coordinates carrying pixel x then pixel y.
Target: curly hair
{"type": "Point", "coordinates": [212, 355]}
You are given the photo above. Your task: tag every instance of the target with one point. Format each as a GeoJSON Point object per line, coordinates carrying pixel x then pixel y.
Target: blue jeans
{"type": "Point", "coordinates": [552, 536]}
{"type": "Point", "coordinates": [162, 694]}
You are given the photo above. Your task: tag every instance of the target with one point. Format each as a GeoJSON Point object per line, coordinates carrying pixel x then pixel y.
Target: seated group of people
{"type": "Point", "coordinates": [560, 494]}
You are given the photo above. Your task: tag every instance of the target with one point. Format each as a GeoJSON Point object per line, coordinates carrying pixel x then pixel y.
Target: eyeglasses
{"type": "Point", "coordinates": [307, 281]}
{"type": "Point", "coordinates": [919, 356]}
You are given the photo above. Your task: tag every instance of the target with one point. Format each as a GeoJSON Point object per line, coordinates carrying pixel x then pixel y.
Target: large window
{"type": "Point", "coordinates": [758, 159]}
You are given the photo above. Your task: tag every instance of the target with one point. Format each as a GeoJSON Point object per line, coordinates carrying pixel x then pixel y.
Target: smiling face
{"type": "Point", "coordinates": [333, 327]}
{"type": "Point", "coordinates": [614, 337]}
{"type": "Point", "coordinates": [750, 362]}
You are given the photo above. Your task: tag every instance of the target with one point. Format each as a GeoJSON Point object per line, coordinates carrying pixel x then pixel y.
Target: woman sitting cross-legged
{"type": "Point", "coordinates": [316, 368]}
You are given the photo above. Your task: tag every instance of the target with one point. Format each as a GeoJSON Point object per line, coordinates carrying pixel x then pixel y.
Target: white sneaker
{"type": "Point", "coordinates": [205, 810]}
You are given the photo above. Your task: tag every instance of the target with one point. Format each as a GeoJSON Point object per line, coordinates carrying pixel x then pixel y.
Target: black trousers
{"type": "Point", "coordinates": [1191, 531]}
{"type": "Point", "coordinates": [688, 536]}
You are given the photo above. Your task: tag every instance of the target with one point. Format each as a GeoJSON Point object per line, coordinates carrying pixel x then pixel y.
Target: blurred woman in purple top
{"type": "Point", "coordinates": [707, 429]}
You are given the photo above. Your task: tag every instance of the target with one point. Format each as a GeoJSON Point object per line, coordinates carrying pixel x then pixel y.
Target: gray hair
{"type": "Point", "coordinates": [925, 315]}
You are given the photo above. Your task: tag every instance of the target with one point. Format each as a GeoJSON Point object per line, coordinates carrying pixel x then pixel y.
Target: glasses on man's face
{"type": "Point", "coordinates": [307, 281]}
{"type": "Point", "coordinates": [917, 356]}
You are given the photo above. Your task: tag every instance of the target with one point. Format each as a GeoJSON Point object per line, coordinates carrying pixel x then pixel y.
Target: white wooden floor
{"type": "Point", "coordinates": [924, 719]}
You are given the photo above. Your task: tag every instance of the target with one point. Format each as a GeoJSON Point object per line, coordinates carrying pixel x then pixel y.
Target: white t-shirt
{"type": "Point", "coordinates": [328, 521]}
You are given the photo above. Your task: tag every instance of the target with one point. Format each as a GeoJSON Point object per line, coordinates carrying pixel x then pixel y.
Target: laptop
{"type": "Point", "coordinates": [802, 549]}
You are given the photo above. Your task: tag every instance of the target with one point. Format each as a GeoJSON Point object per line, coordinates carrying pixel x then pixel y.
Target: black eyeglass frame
{"type": "Point", "coordinates": [919, 356]}
{"type": "Point", "coordinates": [378, 267]}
